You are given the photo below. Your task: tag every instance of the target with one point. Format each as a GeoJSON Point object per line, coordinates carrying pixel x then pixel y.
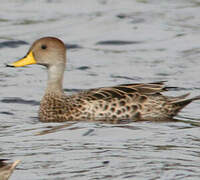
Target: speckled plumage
{"type": "Point", "coordinates": [112, 104]}
{"type": "Point", "coordinates": [128, 101]}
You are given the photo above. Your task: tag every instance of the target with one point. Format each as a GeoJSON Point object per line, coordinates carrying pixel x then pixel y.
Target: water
{"type": "Point", "coordinates": [110, 42]}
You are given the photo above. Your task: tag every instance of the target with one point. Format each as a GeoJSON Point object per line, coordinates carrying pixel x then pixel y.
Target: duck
{"type": "Point", "coordinates": [6, 169]}
{"type": "Point", "coordinates": [134, 102]}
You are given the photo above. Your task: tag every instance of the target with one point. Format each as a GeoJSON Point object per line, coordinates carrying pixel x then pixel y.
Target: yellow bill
{"type": "Point", "coordinates": [29, 59]}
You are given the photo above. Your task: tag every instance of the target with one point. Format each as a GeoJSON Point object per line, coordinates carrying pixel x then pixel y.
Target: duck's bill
{"type": "Point", "coordinates": [27, 60]}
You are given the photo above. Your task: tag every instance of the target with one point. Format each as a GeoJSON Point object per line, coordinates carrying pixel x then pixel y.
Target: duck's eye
{"type": "Point", "coordinates": [43, 46]}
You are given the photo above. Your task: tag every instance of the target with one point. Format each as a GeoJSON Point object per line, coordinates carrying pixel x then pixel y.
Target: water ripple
{"type": "Point", "coordinates": [19, 101]}
{"type": "Point", "coordinates": [12, 44]}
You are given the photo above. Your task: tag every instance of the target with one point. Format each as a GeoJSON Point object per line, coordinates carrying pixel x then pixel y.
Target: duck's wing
{"type": "Point", "coordinates": [123, 90]}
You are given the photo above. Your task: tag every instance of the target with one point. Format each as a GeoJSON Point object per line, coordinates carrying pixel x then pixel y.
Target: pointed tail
{"type": "Point", "coordinates": [181, 103]}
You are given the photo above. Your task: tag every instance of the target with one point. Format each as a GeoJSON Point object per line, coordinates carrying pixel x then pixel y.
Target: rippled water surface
{"type": "Point", "coordinates": [109, 42]}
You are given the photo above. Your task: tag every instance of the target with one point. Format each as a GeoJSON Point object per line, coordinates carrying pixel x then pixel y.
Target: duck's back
{"type": "Point", "coordinates": [129, 101]}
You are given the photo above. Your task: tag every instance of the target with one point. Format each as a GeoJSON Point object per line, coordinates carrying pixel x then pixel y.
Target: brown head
{"type": "Point", "coordinates": [45, 51]}
{"type": "Point", "coordinates": [49, 52]}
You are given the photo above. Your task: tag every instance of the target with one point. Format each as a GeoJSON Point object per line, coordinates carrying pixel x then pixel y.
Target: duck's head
{"type": "Point", "coordinates": [47, 51]}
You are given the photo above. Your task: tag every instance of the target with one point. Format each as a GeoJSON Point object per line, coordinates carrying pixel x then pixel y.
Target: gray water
{"type": "Point", "coordinates": [109, 42]}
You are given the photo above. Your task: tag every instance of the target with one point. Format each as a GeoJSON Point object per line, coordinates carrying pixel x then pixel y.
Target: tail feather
{"type": "Point", "coordinates": [178, 98]}
{"type": "Point", "coordinates": [181, 103]}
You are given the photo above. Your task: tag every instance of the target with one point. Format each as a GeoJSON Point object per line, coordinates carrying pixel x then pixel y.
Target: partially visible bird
{"type": "Point", "coordinates": [6, 169]}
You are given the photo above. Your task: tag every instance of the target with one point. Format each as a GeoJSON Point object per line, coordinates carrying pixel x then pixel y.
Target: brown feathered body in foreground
{"type": "Point", "coordinates": [129, 101]}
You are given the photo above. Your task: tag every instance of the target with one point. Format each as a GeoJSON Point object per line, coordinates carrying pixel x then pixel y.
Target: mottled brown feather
{"type": "Point", "coordinates": [132, 101]}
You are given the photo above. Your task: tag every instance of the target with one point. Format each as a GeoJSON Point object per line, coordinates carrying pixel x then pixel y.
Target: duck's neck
{"type": "Point", "coordinates": [55, 78]}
